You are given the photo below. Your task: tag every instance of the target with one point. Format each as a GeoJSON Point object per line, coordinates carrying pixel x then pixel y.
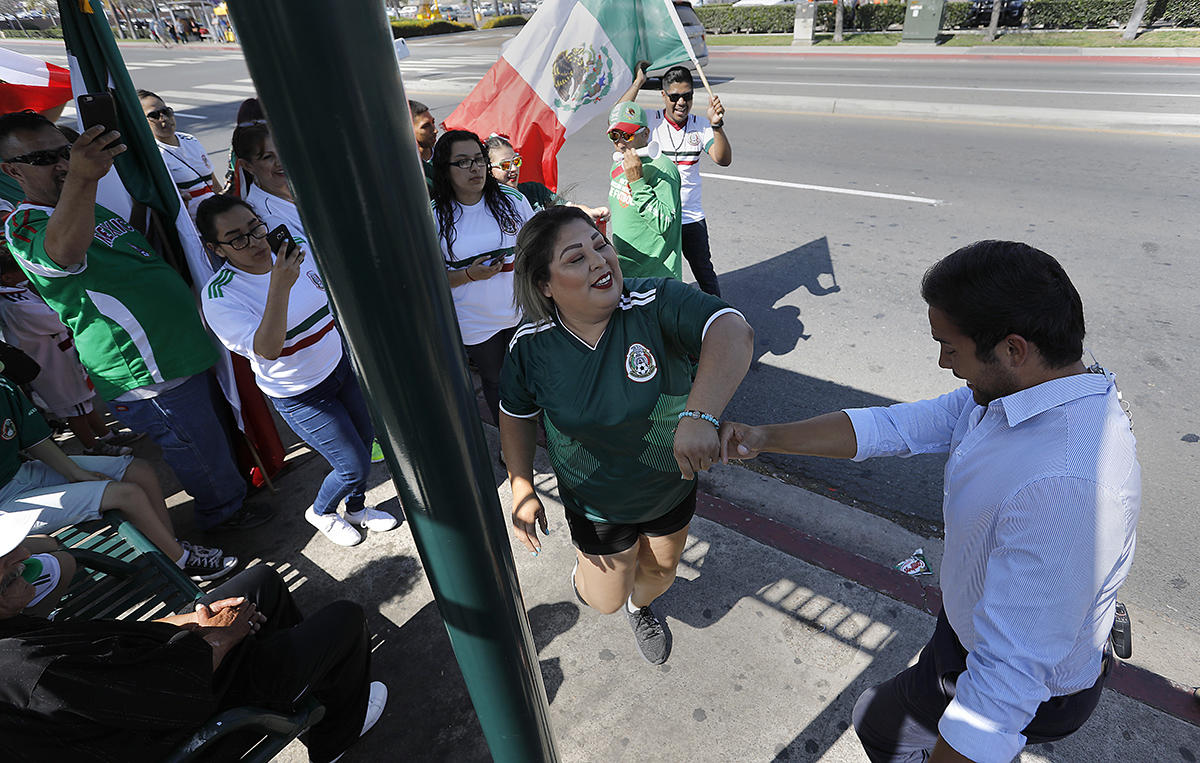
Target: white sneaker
{"type": "Point", "coordinates": [375, 705]}
{"type": "Point", "coordinates": [373, 519]}
{"type": "Point", "coordinates": [334, 527]}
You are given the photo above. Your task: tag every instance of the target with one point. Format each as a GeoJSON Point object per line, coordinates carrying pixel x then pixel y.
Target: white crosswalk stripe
{"type": "Point", "coordinates": [190, 96]}
{"type": "Point", "coordinates": [247, 89]}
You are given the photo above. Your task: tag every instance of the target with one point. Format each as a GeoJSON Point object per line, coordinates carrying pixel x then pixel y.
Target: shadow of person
{"type": "Point", "coordinates": [757, 289]}
{"type": "Point", "coordinates": [548, 621]}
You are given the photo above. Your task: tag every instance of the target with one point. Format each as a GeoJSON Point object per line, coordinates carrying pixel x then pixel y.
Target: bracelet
{"type": "Point", "coordinates": [467, 270]}
{"type": "Point", "coordinates": [700, 415]}
{"type": "Point", "coordinates": [718, 126]}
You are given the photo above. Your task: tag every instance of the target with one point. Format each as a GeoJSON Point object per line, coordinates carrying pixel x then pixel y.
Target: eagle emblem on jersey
{"type": "Point", "coordinates": [694, 139]}
{"type": "Point", "coordinates": [640, 365]}
{"type": "Point", "coordinates": [9, 430]}
{"type": "Point", "coordinates": [582, 75]}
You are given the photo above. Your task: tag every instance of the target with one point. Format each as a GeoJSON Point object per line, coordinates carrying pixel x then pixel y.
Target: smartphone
{"type": "Point", "coordinates": [280, 240]}
{"type": "Point", "coordinates": [98, 109]}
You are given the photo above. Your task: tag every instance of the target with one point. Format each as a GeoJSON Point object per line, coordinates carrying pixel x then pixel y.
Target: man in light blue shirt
{"type": "Point", "coordinates": [1041, 499]}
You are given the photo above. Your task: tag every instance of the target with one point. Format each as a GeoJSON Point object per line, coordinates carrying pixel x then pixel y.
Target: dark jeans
{"type": "Point", "coordinates": [332, 418]}
{"type": "Point", "coordinates": [194, 444]}
{"type": "Point", "coordinates": [327, 655]}
{"type": "Point", "coordinates": [489, 359]}
{"type": "Point", "coordinates": [897, 720]}
{"type": "Point", "coordinates": [699, 258]}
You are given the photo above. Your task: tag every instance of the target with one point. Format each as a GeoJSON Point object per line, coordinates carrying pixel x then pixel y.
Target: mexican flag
{"type": "Point", "coordinates": [570, 63]}
{"type": "Point", "coordinates": [27, 83]}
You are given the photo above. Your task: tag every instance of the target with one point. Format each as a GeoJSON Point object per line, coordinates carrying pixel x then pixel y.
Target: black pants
{"type": "Point", "coordinates": [699, 258]}
{"type": "Point", "coordinates": [327, 655]}
{"type": "Point", "coordinates": [897, 720]}
{"type": "Point", "coordinates": [489, 359]}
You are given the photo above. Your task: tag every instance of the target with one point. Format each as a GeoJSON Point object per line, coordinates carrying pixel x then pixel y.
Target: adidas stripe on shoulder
{"type": "Point", "coordinates": [530, 329]}
{"type": "Point", "coordinates": [216, 284]}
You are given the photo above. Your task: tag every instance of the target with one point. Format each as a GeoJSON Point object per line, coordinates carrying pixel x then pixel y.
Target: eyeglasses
{"type": "Point", "coordinates": [259, 230]}
{"type": "Point", "coordinates": [511, 164]}
{"type": "Point", "coordinates": [614, 134]}
{"type": "Point", "coordinates": [685, 96]}
{"type": "Point", "coordinates": [165, 111]}
{"type": "Point", "coordinates": [43, 158]}
{"type": "Point", "coordinates": [467, 164]}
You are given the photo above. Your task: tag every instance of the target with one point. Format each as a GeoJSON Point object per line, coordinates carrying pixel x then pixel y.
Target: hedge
{"type": "Point", "coordinates": [1082, 14]}
{"type": "Point", "coordinates": [1045, 14]}
{"type": "Point", "coordinates": [504, 21]}
{"type": "Point", "coordinates": [416, 28]}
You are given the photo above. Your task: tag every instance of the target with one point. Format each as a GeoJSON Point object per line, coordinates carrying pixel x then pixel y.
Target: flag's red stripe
{"type": "Point", "coordinates": [504, 103]}
{"type": "Point", "coordinates": [56, 93]}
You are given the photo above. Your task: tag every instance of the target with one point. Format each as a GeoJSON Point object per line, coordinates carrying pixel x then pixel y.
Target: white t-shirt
{"type": "Point", "coordinates": [190, 168]}
{"type": "Point", "coordinates": [275, 211]}
{"type": "Point", "coordinates": [684, 145]}
{"type": "Point", "coordinates": [233, 303]}
{"type": "Point", "coordinates": [484, 307]}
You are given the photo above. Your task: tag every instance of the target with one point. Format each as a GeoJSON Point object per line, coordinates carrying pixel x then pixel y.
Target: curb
{"type": "Point", "coordinates": [1134, 682]}
{"type": "Point", "coordinates": [1179, 56]}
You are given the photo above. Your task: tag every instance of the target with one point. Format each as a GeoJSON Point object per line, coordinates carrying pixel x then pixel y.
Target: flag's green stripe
{"type": "Point", "coordinates": [639, 30]}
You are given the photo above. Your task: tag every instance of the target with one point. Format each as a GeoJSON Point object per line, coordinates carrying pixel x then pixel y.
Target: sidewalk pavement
{"type": "Point", "coordinates": [771, 647]}
{"type": "Point", "coordinates": [998, 52]}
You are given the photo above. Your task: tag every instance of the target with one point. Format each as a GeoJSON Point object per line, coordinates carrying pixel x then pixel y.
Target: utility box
{"type": "Point", "coordinates": [806, 17]}
{"type": "Point", "coordinates": [923, 21]}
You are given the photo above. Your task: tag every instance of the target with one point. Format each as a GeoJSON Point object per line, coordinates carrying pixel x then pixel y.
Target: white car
{"type": "Point", "coordinates": [695, 33]}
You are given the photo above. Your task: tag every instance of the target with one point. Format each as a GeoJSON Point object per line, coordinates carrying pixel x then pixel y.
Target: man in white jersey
{"type": "Point", "coordinates": [683, 137]}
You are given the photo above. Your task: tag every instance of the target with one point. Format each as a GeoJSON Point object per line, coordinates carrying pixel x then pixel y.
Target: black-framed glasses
{"type": "Point", "coordinates": [165, 111]}
{"type": "Point", "coordinates": [467, 164]}
{"type": "Point", "coordinates": [44, 157]}
{"type": "Point", "coordinates": [258, 230]}
{"type": "Point", "coordinates": [685, 96]}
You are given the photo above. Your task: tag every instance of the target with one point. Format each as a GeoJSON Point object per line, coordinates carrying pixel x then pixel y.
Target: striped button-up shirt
{"type": "Point", "coordinates": [1041, 499]}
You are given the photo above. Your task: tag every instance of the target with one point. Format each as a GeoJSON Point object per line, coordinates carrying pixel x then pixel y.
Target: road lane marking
{"type": "Point", "coordinates": [826, 189]}
{"type": "Point", "coordinates": [890, 86]}
{"type": "Point", "coordinates": [229, 88]}
{"type": "Point", "coordinates": [190, 96]}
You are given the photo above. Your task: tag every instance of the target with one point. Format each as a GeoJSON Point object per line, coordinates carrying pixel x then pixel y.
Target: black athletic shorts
{"type": "Point", "coordinates": [604, 538]}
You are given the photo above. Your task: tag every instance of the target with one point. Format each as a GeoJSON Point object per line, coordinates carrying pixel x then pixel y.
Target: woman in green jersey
{"type": "Point", "coordinates": [610, 364]}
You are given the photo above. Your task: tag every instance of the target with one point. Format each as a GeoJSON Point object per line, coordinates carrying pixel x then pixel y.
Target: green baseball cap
{"type": "Point", "coordinates": [627, 116]}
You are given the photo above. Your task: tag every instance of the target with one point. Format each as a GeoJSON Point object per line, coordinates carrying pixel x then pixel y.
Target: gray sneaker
{"type": "Point", "coordinates": [102, 448]}
{"type": "Point", "coordinates": [653, 637]}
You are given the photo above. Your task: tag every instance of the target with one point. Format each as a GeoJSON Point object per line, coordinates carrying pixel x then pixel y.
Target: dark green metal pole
{"type": "Point", "coordinates": [326, 75]}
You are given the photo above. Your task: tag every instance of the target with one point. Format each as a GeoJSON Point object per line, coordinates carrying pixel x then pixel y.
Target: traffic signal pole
{"type": "Point", "coordinates": [327, 78]}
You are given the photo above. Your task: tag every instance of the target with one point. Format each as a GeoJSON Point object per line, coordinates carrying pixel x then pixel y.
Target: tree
{"type": "Point", "coordinates": [993, 30]}
{"type": "Point", "coordinates": [838, 19]}
{"type": "Point", "coordinates": [1135, 20]}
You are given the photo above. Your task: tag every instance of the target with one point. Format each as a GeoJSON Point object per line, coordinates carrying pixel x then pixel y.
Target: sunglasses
{"type": "Point", "coordinates": [43, 158]}
{"type": "Point", "coordinates": [614, 134]}
{"type": "Point", "coordinates": [511, 164]}
{"type": "Point", "coordinates": [165, 111]}
{"type": "Point", "coordinates": [676, 96]}
{"type": "Point", "coordinates": [467, 164]}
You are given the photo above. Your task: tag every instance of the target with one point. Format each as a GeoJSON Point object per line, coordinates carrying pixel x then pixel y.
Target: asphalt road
{"type": "Point", "coordinates": [829, 276]}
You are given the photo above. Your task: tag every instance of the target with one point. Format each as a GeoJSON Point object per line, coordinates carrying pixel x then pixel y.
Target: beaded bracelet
{"type": "Point", "coordinates": [700, 415]}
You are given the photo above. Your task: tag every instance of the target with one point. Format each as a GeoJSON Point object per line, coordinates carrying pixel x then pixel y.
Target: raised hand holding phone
{"type": "Point", "coordinates": [288, 257]}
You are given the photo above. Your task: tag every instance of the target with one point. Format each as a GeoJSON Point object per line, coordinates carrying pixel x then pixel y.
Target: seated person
{"type": "Point", "coordinates": [76, 489]}
{"type": "Point", "coordinates": [133, 691]}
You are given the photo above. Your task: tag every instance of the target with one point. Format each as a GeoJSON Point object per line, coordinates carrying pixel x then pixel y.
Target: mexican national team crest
{"type": "Point", "coordinates": [640, 365]}
{"type": "Point", "coordinates": [582, 76]}
{"type": "Point", "coordinates": [694, 139]}
{"type": "Point", "coordinates": [8, 430]}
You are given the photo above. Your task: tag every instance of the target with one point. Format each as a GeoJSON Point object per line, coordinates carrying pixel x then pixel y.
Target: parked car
{"type": "Point", "coordinates": [695, 33]}
{"type": "Point", "coordinates": [1010, 12]}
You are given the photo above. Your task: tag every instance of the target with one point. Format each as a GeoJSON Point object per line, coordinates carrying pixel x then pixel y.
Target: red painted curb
{"type": "Point", "coordinates": [958, 58]}
{"type": "Point", "coordinates": [1136, 683]}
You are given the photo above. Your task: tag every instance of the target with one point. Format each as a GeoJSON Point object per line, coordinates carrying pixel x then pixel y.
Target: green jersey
{"type": "Point", "coordinates": [611, 410]}
{"type": "Point", "coordinates": [20, 427]}
{"type": "Point", "coordinates": [647, 220]}
{"type": "Point", "coordinates": [134, 319]}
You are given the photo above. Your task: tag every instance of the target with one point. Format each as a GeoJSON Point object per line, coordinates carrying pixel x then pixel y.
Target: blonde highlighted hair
{"type": "Point", "coordinates": [535, 250]}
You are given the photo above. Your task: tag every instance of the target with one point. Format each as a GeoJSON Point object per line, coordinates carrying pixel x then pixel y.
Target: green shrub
{"type": "Point", "coordinates": [504, 21]}
{"type": "Point", "coordinates": [759, 19]}
{"type": "Point", "coordinates": [1083, 14]}
{"type": "Point", "coordinates": [419, 28]}
{"type": "Point", "coordinates": [957, 15]}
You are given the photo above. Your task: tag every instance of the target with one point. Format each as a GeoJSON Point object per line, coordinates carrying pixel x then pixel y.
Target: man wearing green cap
{"type": "Point", "coordinates": [644, 197]}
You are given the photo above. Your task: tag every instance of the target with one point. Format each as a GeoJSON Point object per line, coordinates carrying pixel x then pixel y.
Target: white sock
{"type": "Point", "coordinates": [181, 562]}
{"type": "Point", "coordinates": [629, 606]}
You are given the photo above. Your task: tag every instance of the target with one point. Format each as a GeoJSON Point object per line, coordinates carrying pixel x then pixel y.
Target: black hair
{"type": "Point", "coordinates": [21, 121]}
{"type": "Point", "coordinates": [148, 94]}
{"type": "Point", "coordinates": [416, 108]}
{"type": "Point", "coordinates": [677, 75]}
{"type": "Point", "coordinates": [501, 207]}
{"type": "Point", "coordinates": [206, 214]}
{"type": "Point", "coordinates": [991, 289]}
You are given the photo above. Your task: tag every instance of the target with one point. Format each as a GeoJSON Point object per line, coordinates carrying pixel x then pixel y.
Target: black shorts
{"type": "Point", "coordinates": [604, 538]}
